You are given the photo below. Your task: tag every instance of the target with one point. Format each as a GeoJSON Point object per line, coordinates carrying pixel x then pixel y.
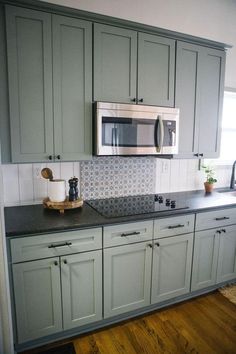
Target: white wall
{"type": "Point", "coordinates": [212, 19]}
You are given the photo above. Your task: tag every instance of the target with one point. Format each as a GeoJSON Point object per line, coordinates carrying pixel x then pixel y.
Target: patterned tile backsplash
{"type": "Point", "coordinates": [106, 177]}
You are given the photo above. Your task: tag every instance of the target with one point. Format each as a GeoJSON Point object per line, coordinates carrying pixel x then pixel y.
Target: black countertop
{"type": "Point", "coordinates": [34, 219]}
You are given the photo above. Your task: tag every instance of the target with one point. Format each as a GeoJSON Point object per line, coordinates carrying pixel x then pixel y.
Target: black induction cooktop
{"type": "Point", "coordinates": [138, 204]}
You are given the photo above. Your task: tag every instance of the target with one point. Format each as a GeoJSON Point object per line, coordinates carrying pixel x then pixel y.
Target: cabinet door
{"type": "Point", "coordinates": [127, 278]}
{"type": "Point", "coordinates": [72, 86]}
{"type": "Point", "coordinates": [186, 97]}
{"type": "Point", "coordinates": [81, 276]}
{"type": "Point", "coordinates": [172, 258]}
{"type": "Point", "coordinates": [37, 295]}
{"type": "Point", "coordinates": [199, 94]}
{"type": "Point", "coordinates": [115, 63]}
{"type": "Point", "coordinates": [226, 269]}
{"type": "Point", "coordinates": [29, 56]}
{"type": "Point", "coordinates": [206, 247]}
{"type": "Point", "coordinates": [211, 71]}
{"type": "Point", "coordinates": [156, 70]}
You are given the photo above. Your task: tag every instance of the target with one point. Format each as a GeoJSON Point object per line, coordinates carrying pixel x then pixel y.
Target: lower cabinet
{"type": "Point", "coordinates": [206, 248]}
{"type": "Point", "coordinates": [127, 278]}
{"type": "Point", "coordinates": [214, 259]}
{"type": "Point", "coordinates": [226, 269]}
{"type": "Point", "coordinates": [56, 294]}
{"type": "Point", "coordinates": [171, 272]}
{"type": "Point", "coordinates": [37, 298]}
{"type": "Point", "coordinates": [81, 279]}
{"type": "Point", "coordinates": [130, 272]}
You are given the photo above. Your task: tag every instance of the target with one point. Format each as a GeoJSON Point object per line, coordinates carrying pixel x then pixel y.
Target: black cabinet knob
{"type": "Point", "coordinates": [157, 244]}
{"type": "Point", "coordinates": [140, 100]}
{"type": "Point", "coordinates": [56, 263]}
{"type": "Point", "coordinates": [65, 261]}
{"type": "Point", "coordinates": [196, 155]}
{"type": "Point", "coordinates": [50, 157]}
{"type": "Point", "coordinates": [58, 157]}
{"type": "Point", "coordinates": [133, 99]}
{"type": "Point", "coordinates": [201, 154]}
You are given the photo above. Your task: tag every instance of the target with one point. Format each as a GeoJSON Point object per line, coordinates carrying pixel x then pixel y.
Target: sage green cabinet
{"type": "Point", "coordinates": [127, 278]}
{"type": "Point", "coordinates": [81, 279]}
{"type": "Point", "coordinates": [37, 296]}
{"type": "Point", "coordinates": [156, 70]}
{"type": "Point", "coordinates": [29, 55]}
{"type": "Point", "coordinates": [63, 289]}
{"type": "Point", "coordinates": [115, 64]}
{"type": "Point", "coordinates": [72, 87]}
{"type": "Point", "coordinates": [56, 294]}
{"type": "Point", "coordinates": [205, 258]}
{"type": "Point", "coordinates": [198, 95]}
{"type": "Point", "coordinates": [226, 269]}
{"type": "Point", "coordinates": [50, 85]}
{"type": "Point", "coordinates": [171, 269]}
{"type": "Point", "coordinates": [133, 67]}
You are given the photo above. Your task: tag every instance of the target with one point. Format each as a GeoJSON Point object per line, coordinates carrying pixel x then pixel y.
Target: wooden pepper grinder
{"type": "Point", "coordinates": [76, 187]}
{"type": "Point", "coordinates": [72, 191]}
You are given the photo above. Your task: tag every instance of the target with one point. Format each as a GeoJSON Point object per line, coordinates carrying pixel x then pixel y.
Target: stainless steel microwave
{"type": "Point", "coordinates": [127, 129]}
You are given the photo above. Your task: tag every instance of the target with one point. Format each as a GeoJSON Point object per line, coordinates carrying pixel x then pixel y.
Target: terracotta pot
{"type": "Point", "coordinates": [208, 187]}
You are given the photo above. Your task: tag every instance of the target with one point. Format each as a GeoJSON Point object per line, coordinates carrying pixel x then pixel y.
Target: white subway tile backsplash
{"type": "Point", "coordinates": [106, 177]}
{"type": "Point", "coordinates": [67, 171]}
{"type": "Point", "coordinates": [26, 182]}
{"type": "Point", "coordinates": [40, 184]}
{"type": "Point", "coordinates": [11, 184]}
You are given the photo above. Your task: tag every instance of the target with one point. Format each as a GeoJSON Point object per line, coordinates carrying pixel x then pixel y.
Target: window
{"type": "Point", "coordinates": [228, 137]}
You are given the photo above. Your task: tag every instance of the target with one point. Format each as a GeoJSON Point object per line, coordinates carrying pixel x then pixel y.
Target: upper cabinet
{"type": "Point", "coordinates": [156, 70]}
{"type": "Point", "coordinates": [30, 84]}
{"type": "Point", "coordinates": [57, 67]}
{"type": "Point", "coordinates": [50, 85]}
{"type": "Point", "coordinates": [133, 67]}
{"type": "Point", "coordinates": [199, 93]}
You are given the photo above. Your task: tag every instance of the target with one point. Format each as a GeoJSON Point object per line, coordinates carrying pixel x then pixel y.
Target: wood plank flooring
{"type": "Point", "coordinates": [205, 325]}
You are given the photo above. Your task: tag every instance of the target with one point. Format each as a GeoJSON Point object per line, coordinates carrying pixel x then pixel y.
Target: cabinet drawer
{"type": "Point", "coordinates": [43, 246]}
{"type": "Point", "coordinates": [216, 218]}
{"type": "Point", "coordinates": [173, 226]}
{"type": "Point", "coordinates": [128, 233]}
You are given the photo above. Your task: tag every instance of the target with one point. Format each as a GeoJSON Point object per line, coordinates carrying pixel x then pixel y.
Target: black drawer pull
{"type": "Point", "coordinates": [175, 226]}
{"type": "Point", "coordinates": [223, 218]}
{"type": "Point", "coordinates": [60, 245]}
{"type": "Point", "coordinates": [130, 233]}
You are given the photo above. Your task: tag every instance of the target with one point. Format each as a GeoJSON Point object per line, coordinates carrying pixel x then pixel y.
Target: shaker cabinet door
{"type": "Point", "coordinates": [127, 278]}
{"type": "Point", "coordinates": [29, 53]}
{"type": "Point", "coordinates": [172, 259]}
{"type": "Point", "coordinates": [206, 248]}
{"type": "Point", "coordinates": [186, 97]}
{"type": "Point", "coordinates": [81, 276]}
{"type": "Point", "coordinates": [72, 87]}
{"type": "Point", "coordinates": [37, 294]}
{"type": "Point", "coordinates": [226, 269]}
{"type": "Point", "coordinates": [156, 70]}
{"type": "Point", "coordinates": [211, 71]}
{"type": "Point", "coordinates": [199, 95]}
{"type": "Point", "coordinates": [115, 58]}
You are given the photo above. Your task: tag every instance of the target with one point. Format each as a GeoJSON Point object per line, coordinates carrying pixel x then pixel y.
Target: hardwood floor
{"type": "Point", "coordinates": [205, 325]}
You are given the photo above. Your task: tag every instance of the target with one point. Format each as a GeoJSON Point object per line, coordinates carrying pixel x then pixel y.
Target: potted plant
{"type": "Point", "coordinates": [210, 179]}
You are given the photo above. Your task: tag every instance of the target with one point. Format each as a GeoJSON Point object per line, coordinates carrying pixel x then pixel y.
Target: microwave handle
{"type": "Point", "coordinates": [159, 123]}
